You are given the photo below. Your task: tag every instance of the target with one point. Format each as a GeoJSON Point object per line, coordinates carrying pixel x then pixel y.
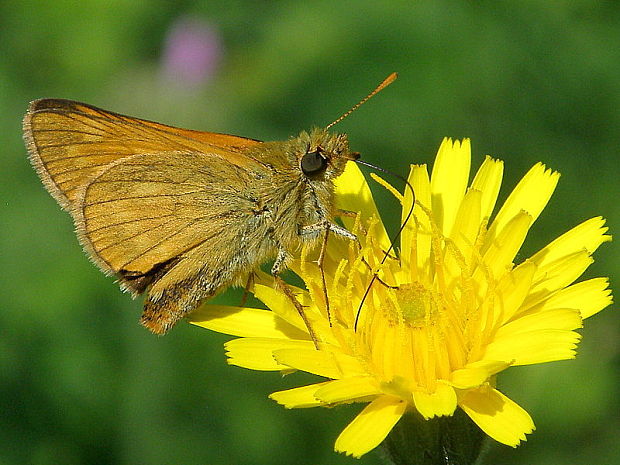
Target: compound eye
{"type": "Point", "coordinates": [313, 163]}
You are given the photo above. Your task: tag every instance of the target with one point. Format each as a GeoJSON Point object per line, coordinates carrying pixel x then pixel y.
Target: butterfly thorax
{"type": "Point", "coordinates": [298, 190]}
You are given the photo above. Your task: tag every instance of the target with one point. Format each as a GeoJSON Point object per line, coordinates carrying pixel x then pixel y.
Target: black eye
{"type": "Point", "coordinates": [313, 163]}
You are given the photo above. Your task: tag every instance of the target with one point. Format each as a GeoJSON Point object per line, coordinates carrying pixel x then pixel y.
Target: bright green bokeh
{"type": "Point", "coordinates": [82, 383]}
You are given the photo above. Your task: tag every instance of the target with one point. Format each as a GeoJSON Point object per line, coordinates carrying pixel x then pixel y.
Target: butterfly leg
{"type": "Point", "coordinates": [352, 214]}
{"type": "Point", "coordinates": [311, 229]}
{"type": "Point", "coordinates": [326, 227]}
{"type": "Point", "coordinates": [320, 261]}
{"type": "Point", "coordinates": [246, 291]}
{"type": "Point", "coordinates": [278, 266]}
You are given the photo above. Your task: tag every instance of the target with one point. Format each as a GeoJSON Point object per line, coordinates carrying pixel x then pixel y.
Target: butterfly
{"type": "Point", "coordinates": [178, 214]}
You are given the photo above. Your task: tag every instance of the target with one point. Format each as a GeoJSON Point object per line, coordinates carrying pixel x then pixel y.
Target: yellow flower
{"type": "Point", "coordinates": [445, 315]}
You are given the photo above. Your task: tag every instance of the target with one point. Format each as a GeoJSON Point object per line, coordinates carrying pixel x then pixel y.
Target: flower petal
{"type": "Point", "coordinates": [488, 180]}
{"type": "Point", "coordinates": [512, 290]}
{"type": "Point", "coordinates": [371, 426]}
{"type": "Point", "coordinates": [353, 194]}
{"type": "Point", "coordinates": [589, 235]}
{"type": "Point", "coordinates": [477, 373]}
{"type": "Point", "coordinates": [467, 222]}
{"type": "Point", "coordinates": [418, 245]}
{"type": "Point", "coordinates": [408, 233]}
{"type": "Point", "coordinates": [535, 346]}
{"type": "Point", "coordinates": [257, 353]}
{"type": "Point", "coordinates": [589, 297]}
{"type": "Point", "coordinates": [284, 308]}
{"type": "Point", "coordinates": [464, 233]}
{"type": "Point", "coordinates": [332, 365]}
{"type": "Point", "coordinates": [438, 403]}
{"type": "Point", "coordinates": [280, 304]}
{"type": "Point", "coordinates": [244, 322]}
{"type": "Point", "coordinates": [556, 275]}
{"type": "Point", "coordinates": [497, 415]}
{"type": "Point", "coordinates": [556, 318]}
{"type": "Point", "coordinates": [348, 389]}
{"type": "Point", "coordinates": [449, 181]}
{"type": "Point", "coordinates": [301, 397]}
{"type": "Point", "coordinates": [498, 257]}
{"type": "Point", "coordinates": [530, 195]}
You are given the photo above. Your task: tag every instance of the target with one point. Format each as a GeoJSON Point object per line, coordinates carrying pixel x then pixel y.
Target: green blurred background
{"type": "Point", "coordinates": [82, 383]}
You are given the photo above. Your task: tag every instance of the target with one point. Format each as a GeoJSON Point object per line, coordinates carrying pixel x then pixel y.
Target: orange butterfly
{"type": "Point", "coordinates": [182, 214]}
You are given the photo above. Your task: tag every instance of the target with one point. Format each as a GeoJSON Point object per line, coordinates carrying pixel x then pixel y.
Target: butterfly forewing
{"type": "Point", "coordinates": [70, 142]}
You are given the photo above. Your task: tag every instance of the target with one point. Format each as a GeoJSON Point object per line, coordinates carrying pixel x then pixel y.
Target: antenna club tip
{"type": "Point", "coordinates": [387, 81]}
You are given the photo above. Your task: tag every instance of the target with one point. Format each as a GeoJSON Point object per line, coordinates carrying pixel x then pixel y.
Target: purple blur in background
{"type": "Point", "coordinates": [191, 52]}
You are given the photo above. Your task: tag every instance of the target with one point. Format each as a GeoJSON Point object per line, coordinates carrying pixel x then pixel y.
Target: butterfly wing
{"type": "Point", "coordinates": [70, 142]}
{"type": "Point", "coordinates": [162, 208]}
{"type": "Point", "coordinates": [174, 223]}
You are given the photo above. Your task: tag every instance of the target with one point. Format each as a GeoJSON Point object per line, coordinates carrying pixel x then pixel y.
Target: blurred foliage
{"type": "Point", "coordinates": [82, 383]}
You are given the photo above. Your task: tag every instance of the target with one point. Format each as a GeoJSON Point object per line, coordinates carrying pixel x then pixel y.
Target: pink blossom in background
{"type": "Point", "coordinates": [191, 52]}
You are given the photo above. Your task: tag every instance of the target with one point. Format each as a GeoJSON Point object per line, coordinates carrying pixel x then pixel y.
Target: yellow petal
{"type": "Point", "coordinates": [498, 258]}
{"type": "Point", "coordinates": [531, 195]}
{"type": "Point", "coordinates": [449, 181]}
{"type": "Point", "coordinates": [371, 426]}
{"type": "Point", "coordinates": [540, 346]}
{"type": "Point", "coordinates": [488, 180]}
{"type": "Point", "coordinates": [257, 353]}
{"type": "Point", "coordinates": [466, 228]}
{"type": "Point", "coordinates": [348, 389]}
{"type": "Point", "coordinates": [477, 373]}
{"type": "Point", "coordinates": [407, 235]}
{"type": "Point", "coordinates": [438, 403]}
{"type": "Point", "coordinates": [301, 397]}
{"type": "Point", "coordinates": [244, 322]}
{"type": "Point", "coordinates": [512, 290]}
{"type": "Point", "coordinates": [334, 365]}
{"type": "Point", "coordinates": [497, 415]}
{"type": "Point", "coordinates": [556, 318]}
{"type": "Point", "coordinates": [589, 297]}
{"type": "Point", "coordinates": [353, 194]}
{"type": "Point", "coordinates": [283, 307]}
{"type": "Point", "coordinates": [419, 252]}
{"type": "Point", "coordinates": [555, 276]}
{"type": "Point", "coordinates": [589, 235]}
{"type": "Point", "coordinates": [467, 222]}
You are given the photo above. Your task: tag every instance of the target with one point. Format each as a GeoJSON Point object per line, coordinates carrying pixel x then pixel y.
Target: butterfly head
{"type": "Point", "coordinates": [322, 155]}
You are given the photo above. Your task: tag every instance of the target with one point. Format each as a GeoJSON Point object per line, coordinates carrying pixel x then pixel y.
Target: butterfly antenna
{"type": "Point", "coordinates": [386, 82]}
{"type": "Point", "coordinates": [375, 277]}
